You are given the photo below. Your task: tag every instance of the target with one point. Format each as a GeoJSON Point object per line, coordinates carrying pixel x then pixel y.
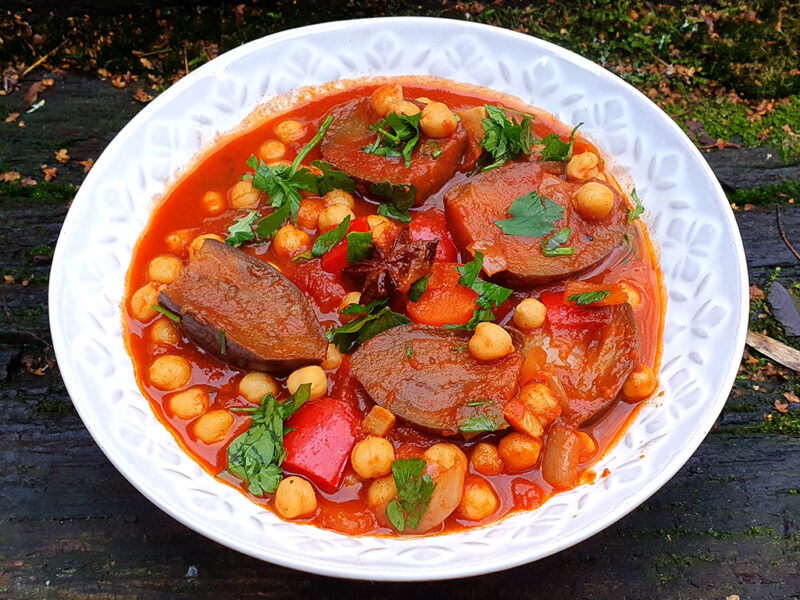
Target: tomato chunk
{"type": "Point", "coordinates": [444, 301]}
{"type": "Point", "coordinates": [573, 317]}
{"type": "Point", "coordinates": [432, 225]}
{"type": "Point", "coordinates": [323, 437]}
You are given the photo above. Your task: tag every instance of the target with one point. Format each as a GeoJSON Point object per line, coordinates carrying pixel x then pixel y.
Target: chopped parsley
{"type": "Point", "coordinates": [375, 318]}
{"type": "Point", "coordinates": [588, 297]}
{"type": "Point", "coordinates": [409, 351]}
{"type": "Point", "coordinates": [637, 209]}
{"type": "Point", "coordinates": [490, 295]}
{"type": "Point", "coordinates": [397, 135]}
{"type": "Point", "coordinates": [414, 492]}
{"type": "Point", "coordinates": [418, 288]}
{"type": "Point", "coordinates": [223, 341]}
{"type": "Point", "coordinates": [256, 455]}
{"type": "Point", "coordinates": [480, 402]}
{"type": "Point", "coordinates": [359, 246]}
{"type": "Point", "coordinates": [331, 179]}
{"type": "Point", "coordinates": [554, 245]}
{"type": "Point", "coordinates": [532, 215]}
{"type": "Point", "coordinates": [269, 225]}
{"type": "Point", "coordinates": [241, 230]}
{"type": "Point", "coordinates": [479, 424]}
{"type": "Point", "coordinates": [167, 313]}
{"type": "Point", "coordinates": [555, 149]}
{"type": "Point", "coordinates": [395, 200]}
{"type": "Point", "coordinates": [505, 138]}
{"type": "Point", "coordinates": [459, 348]}
{"type": "Point", "coordinates": [330, 238]}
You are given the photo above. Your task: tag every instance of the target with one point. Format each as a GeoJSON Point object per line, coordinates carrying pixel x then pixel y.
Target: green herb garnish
{"type": "Point", "coordinates": [241, 230]}
{"type": "Point", "coordinates": [414, 492]}
{"type": "Point", "coordinates": [490, 295]}
{"type": "Point", "coordinates": [480, 402]}
{"type": "Point", "coordinates": [397, 135]}
{"type": "Point", "coordinates": [418, 288]}
{"type": "Point", "coordinates": [555, 149]}
{"type": "Point", "coordinates": [479, 424]}
{"type": "Point", "coordinates": [409, 351]}
{"type": "Point", "coordinates": [256, 455]}
{"type": "Point", "coordinates": [589, 297]}
{"type": "Point", "coordinates": [223, 342]}
{"type": "Point", "coordinates": [459, 348]}
{"type": "Point", "coordinates": [167, 313]}
{"type": "Point", "coordinates": [359, 246]}
{"type": "Point", "coordinates": [330, 238]}
{"type": "Point", "coordinates": [375, 318]}
{"type": "Point", "coordinates": [638, 208]}
{"type": "Point", "coordinates": [269, 225]}
{"type": "Point", "coordinates": [505, 138]}
{"type": "Point", "coordinates": [532, 215]}
{"type": "Point", "coordinates": [554, 245]}
{"type": "Point", "coordinates": [395, 200]}
{"type": "Point", "coordinates": [331, 179]}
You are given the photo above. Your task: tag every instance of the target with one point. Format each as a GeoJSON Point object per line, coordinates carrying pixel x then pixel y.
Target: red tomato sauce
{"type": "Point", "coordinates": [346, 509]}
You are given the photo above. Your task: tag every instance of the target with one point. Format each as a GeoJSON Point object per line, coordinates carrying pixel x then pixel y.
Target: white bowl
{"type": "Point", "coordinates": [701, 256]}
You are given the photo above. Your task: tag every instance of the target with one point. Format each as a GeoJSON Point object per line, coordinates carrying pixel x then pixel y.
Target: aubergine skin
{"type": "Point", "coordinates": [264, 319]}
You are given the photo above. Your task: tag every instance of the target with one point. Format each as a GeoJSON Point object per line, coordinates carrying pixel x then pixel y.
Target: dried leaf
{"type": "Point", "coordinates": [36, 89]}
{"type": "Point", "coordinates": [28, 181]}
{"type": "Point", "coordinates": [12, 117]}
{"type": "Point", "coordinates": [784, 309]}
{"type": "Point", "coordinates": [782, 407]}
{"type": "Point", "coordinates": [10, 176]}
{"type": "Point", "coordinates": [756, 293]}
{"type": "Point", "coordinates": [142, 96]}
{"type": "Point", "coordinates": [49, 174]}
{"type": "Point", "coordinates": [87, 164]}
{"type": "Point", "coordinates": [62, 156]}
{"type": "Point", "coordinates": [777, 351]}
{"type": "Point", "coordinates": [791, 397]}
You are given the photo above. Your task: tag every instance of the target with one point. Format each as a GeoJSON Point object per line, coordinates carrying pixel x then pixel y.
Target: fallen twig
{"type": "Point", "coordinates": [783, 233]}
{"type": "Point", "coordinates": [777, 351]}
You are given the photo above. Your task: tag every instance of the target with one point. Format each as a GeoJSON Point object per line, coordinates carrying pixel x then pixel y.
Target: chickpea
{"type": "Point", "coordinates": [254, 386]}
{"type": "Point", "coordinates": [271, 150]}
{"type": "Point", "coordinates": [213, 426]}
{"type": "Point", "coordinates": [588, 446]}
{"type": "Point", "coordinates": [290, 241]}
{"type": "Point", "coordinates": [333, 358]}
{"type": "Point", "coordinates": [519, 451]}
{"type": "Point", "coordinates": [280, 163]}
{"type": "Point", "coordinates": [582, 166]}
{"type": "Point", "coordinates": [378, 421]}
{"type": "Point", "coordinates": [197, 242]}
{"type": "Point", "coordinates": [541, 402]}
{"type": "Point", "coordinates": [641, 383]}
{"type": "Point", "coordinates": [339, 197]}
{"type": "Point", "coordinates": [530, 314]}
{"type": "Point", "coordinates": [244, 195]}
{"type": "Point", "coordinates": [486, 459]}
{"type": "Point", "coordinates": [188, 404]}
{"type": "Point", "coordinates": [446, 455]}
{"type": "Point", "coordinates": [309, 213]}
{"type": "Point", "coordinates": [384, 97]}
{"type": "Point", "coordinates": [164, 269]}
{"type": "Point", "coordinates": [594, 200]}
{"type": "Point", "coordinates": [634, 297]}
{"type": "Point", "coordinates": [163, 332]}
{"type": "Point", "coordinates": [490, 342]}
{"type": "Point", "coordinates": [479, 499]}
{"type": "Point", "coordinates": [332, 215]}
{"type": "Point", "coordinates": [372, 457]}
{"type": "Point", "coordinates": [213, 202]}
{"type": "Point", "coordinates": [178, 240]}
{"type": "Point", "coordinates": [170, 372]}
{"type": "Point", "coordinates": [404, 107]}
{"type": "Point", "coordinates": [437, 121]}
{"type": "Point", "coordinates": [381, 491]}
{"type": "Point", "coordinates": [349, 298]}
{"type": "Point", "coordinates": [313, 375]}
{"type": "Point", "coordinates": [289, 131]}
{"type": "Point", "coordinates": [295, 498]}
{"type": "Point", "coordinates": [142, 302]}
{"type": "Point", "coordinates": [382, 230]}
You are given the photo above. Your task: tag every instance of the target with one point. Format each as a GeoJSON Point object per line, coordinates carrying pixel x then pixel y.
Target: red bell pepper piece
{"type": "Point", "coordinates": [335, 259]}
{"type": "Point", "coordinates": [573, 317]}
{"type": "Point", "coordinates": [320, 445]}
{"type": "Point", "coordinates": [433, 226]}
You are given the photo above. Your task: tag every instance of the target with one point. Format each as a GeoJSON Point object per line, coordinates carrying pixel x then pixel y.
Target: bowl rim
{"type": "Point", "coordinates": [358, 571]}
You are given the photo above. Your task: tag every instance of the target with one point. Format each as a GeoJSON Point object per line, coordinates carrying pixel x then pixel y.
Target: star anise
{"type": "Point", "coordinates": [391, 272]}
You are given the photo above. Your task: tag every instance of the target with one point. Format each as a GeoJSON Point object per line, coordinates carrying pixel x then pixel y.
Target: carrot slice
{"type": "Point", "coordinates": [444, 301]}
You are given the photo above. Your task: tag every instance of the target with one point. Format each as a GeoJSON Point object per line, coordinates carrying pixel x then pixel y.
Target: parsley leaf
{"type": "Point", "coordinates": [242, 230]}
{"type": "Point", "coordinates": [409, 351]}
{"type": "Point", "coordinates": [479, 424]}
{"type": "Point", "coordinates": [397, 136]}
{"type": "Point", "coordinates": [396, 200]}
{"type": "Point", "coordinates": [330, 238]}
{"type": "Point", "coordinates": [505, 138]}
{"type": "Point", "coordinates": [255, 456]}
{"type": "Point", "coordinates": [418, 288]}
{"type": "Point", "coordinates": [555, 149]}
{"type": "Point", "coordinates": [637, 209]}
{"type": "Point", "coordinates": [269, 225]}
{"type": "Point", "coordinates": [414, 492]}
{"type": "Point", "coordinates": [490, 295]}
{"type": "Point", "coordinates": [223, 341]}
{"type": "Point", "coordinates": [331, 179]}
{"type": "Point", "coordinates": [375, 318]}
{"type": "Point", "coordinates": [167, 313]}
{"type": "Point", "coordinates": [532, 215]}
{"type": "Point", "coordinates": [359, 246]}
{"type": "Point", "coordinates": [554, 245]}
{"type": "Point", "coordinates": [588, 297]}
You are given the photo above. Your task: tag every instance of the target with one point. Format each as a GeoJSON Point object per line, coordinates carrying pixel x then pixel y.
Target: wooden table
{"type": "Point", "coordinates": [72, 527]}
